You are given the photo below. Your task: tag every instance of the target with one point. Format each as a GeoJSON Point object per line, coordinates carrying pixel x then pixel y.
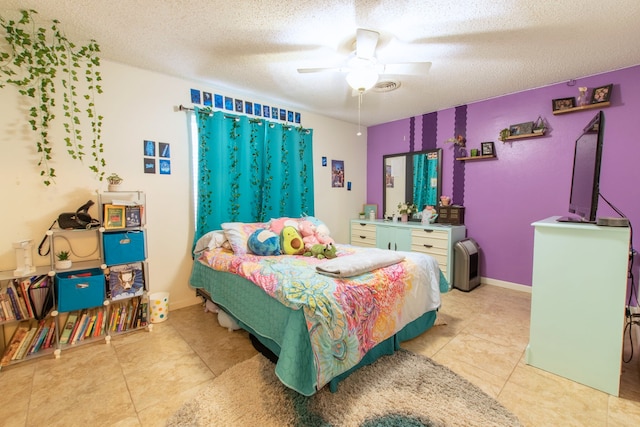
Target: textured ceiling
{"type": "Point", "coordinates": [479, 49]}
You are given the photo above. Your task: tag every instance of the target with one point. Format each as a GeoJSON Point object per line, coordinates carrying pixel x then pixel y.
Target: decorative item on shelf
{"type": "Point", "coordinates": [488, 148]}
{"type": "Point", "coordinates": [560, 104]}
{"type": "Point", "coordinates": [445, 200]}
{"type": "Point", "coordinates": [361, 215]}
{"type": "Point", "coordinates": [601, 94]}
{"type": "Point", "coordinates": [539, 126]}
{"type": "Point", "coordinates": [114, 181]}
{"type": "Point", "coordinates": [62, 260]}
{"type": "Point", "coordinates": [583, 97]}
{"type": "Point", "coordinates": [459, 140]}
{"type": "Point", "coordinates": [475, 152]}
{"type": "Point", "coordinates": [521, 129]}
{"type": "Point", "coordinates": [405, 209]}
{"type": "Point", "coordinates": [504, 134]}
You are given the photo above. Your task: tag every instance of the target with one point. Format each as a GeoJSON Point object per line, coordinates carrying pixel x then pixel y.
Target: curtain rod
{"type": "Point", "coordinates": [183, 108]}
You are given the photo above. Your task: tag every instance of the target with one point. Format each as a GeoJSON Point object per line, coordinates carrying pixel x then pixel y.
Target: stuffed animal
{"type": "Point", "coordinates": [313, 234]}
{"type": "Point", "coordinates": [291, 241]}
{"type": "Point", "coordinates": [308, 232]}
{"type": "Point", "coordinates": [322, 251]}
{"type": "Point", "coordinates": [264, 242]}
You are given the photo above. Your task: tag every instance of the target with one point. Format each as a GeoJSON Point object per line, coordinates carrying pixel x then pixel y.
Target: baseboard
{"type": "Point", "coordinates": [504, 284]}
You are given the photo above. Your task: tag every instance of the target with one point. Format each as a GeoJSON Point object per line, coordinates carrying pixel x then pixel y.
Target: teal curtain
{"type": "Point", "coordinates": [425, 180]}
{"type": "Point", "coordinates": [250, 170]}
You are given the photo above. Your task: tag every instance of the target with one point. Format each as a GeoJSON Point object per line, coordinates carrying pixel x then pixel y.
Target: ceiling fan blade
{"type": "Point", "coordinates": [413, 68]}
{"type": "Point", "coordinates": [321, 70]}
{"type": "Point", "coordinates": [366, 42]}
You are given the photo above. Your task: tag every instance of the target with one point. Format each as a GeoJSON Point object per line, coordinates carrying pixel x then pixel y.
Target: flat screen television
{"type": "Point", "coordinates": [585, 179]}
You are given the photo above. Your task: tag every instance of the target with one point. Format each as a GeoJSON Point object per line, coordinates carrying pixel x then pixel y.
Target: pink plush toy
{"type": "Point", "coordinates": [308, 232]}
{"type": "Point", "coordinates": [322, 234]}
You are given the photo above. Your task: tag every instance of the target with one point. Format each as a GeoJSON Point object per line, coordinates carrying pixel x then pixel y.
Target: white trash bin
{"type": "Point", "coordinates": [159, 306]}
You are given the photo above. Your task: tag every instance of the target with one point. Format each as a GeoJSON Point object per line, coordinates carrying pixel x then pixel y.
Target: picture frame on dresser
{"type": "Point", "coordinates": [368, 208]}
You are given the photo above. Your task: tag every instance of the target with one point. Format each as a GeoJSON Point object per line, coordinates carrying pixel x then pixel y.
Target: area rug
{"type": "Point", "coordinates": [404, 389]}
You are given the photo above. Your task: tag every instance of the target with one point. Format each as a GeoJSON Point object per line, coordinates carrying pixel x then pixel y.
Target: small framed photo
{"type": "Point", "coordinates": [133, 216]}
{"type": "Point", "coordinates": [487, 148]}
{"type": "Point", "coordinates": [368, 208]}
{"type": "Point", "coordinates": [114, 217]}
{"type": "Point", "coordinates": [521, 129]}
{"type": "Point", "coordinates": [563, 103]}
{"type": "Point", "coordinates": [601, 94]}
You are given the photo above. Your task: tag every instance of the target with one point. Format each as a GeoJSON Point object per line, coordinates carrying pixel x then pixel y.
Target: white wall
{"type": "Point", "coordinates": [138, 105]}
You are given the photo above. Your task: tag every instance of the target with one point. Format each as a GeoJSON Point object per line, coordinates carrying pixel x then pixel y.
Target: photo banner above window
{"type": "Point", "coordinates": [251, 170]}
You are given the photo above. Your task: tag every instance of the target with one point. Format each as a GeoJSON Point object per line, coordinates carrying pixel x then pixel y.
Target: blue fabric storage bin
{"type": "Point", "coordinates": [124, 247]}
{"type": "Point", "coordinates": [80, 289]}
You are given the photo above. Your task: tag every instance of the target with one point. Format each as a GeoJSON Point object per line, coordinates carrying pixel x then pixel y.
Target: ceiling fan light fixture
{"type": "Point", "coordinates": [362, 79]}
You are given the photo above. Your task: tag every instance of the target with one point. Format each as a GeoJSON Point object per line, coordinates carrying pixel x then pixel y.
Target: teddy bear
{"type": "Point", "coordinates": [322, 251]}
{"type": "Point", "coordinates": [313, 234]}
{"type": "Point", "coordinates": [308, 232]}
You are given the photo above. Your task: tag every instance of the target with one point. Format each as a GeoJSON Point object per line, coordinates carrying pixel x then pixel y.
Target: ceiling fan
{"type": "Point", "coordinates": [363, 68]}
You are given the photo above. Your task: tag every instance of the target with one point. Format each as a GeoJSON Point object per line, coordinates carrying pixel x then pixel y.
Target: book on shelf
{"type": "Point", "coordinates": [126, 280]}
{"type": "Point", "coordinates": [48, 342]}
{"type": "Point", "coordinates": [69, 325]}
{"type": "Point", "coordinates": [14, 344]}
{"type": "Point", "coordinates": [78, 331]}
{"type": "Point", "coordinates": [38, 334]}
{"type": "Point", "coordinates": [13, 298]}
{"type": "Point", "coordinates": [22, 302]}
{"type": "Point", "coordinates": [97, 329]}
{"type": "Point", "coordinates": [7, 311]}
{"type": "Point", "coordinates": [24, 290]}
{"type": "Point", "coordinates": [24, 345]}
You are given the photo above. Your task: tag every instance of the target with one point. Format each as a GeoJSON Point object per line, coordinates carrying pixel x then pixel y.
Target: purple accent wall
{"type": "Point", "coordinates": [460, 128]}
{"type": "Point", "coordinates": [530, 178]}
{"type": "Point", "coordinates": [429, 131]}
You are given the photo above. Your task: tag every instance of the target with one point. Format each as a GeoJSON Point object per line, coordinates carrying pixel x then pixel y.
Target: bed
{"type": "Point", "coordinates": [321, 327]}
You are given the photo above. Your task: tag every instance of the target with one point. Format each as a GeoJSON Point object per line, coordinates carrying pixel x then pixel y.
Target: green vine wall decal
{"type": "Point", "coordinates": [45, 66]}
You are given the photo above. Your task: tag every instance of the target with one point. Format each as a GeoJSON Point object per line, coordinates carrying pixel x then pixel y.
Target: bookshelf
{"type": "Point", "coordinates": [123, 241]}
{"type": "Point", "coordinates": [102, 294]}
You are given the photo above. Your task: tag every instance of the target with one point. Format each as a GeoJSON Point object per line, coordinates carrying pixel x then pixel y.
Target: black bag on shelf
{"type": "Point", "coordinates": [79, 219]}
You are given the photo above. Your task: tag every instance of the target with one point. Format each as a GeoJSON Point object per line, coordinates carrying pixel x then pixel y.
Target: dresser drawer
{"type": "Point", "coordinates": [423, 240]}
{"type": "Point", "coordinates": [363, 234]}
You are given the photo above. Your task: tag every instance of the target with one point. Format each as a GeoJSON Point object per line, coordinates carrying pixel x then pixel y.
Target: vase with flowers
{"type": "Point", "coordinates": [405, 209]}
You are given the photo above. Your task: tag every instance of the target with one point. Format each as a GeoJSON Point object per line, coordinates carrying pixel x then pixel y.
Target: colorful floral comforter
{"type": "Point", "coordinates": [345, 317]}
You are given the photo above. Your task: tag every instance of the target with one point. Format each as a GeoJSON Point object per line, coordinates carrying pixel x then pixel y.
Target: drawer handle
{"type": "Point", "coordinates": [427, 230]}
{"type": "Point", "coordinates": [363, 237]}
{"type": "Point", "coordinates": [82, 285]}
{"type": "Point", "coordinates": [428, 246]}
{"type": "Point", "coordinates": [389, 246]}
{"type": "Point", "coordinates": [363, 224]}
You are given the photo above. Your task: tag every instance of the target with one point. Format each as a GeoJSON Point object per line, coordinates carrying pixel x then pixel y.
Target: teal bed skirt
{"type": "Point", "coordinates": [283, 330]}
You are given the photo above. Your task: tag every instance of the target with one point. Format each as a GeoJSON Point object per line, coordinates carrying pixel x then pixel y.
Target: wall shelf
{"type": "Point", "coordinates": [476, 158]}
{"type": "Point", "coordinates": [583, 107]}
{"type": "Point", "coordinates": [523, 136]}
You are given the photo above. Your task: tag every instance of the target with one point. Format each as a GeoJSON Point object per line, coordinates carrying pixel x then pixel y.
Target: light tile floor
{"type": "Point", "coordinates": [141, 378]}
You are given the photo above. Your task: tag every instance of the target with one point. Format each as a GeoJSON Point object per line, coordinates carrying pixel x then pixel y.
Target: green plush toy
{"type": "Point", "coordinates": [322, 251]}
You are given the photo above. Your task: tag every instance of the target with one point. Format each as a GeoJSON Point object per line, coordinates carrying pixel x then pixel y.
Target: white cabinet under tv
{"type": "Point", "coordinates": [578, 301]}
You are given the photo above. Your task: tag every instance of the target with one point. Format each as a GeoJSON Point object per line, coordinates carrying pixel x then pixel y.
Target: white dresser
{"type": "Point", "coordinates": [578, 301]}
{"type": "Point", "coordinates": [436, 240]}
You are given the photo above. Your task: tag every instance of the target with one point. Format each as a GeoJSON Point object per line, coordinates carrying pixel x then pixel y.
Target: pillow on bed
{"type": "Point", "coordinates": [264, 242]}
{"type": "Point", "coordinates": [211, 240]}
{"type": "Point", "coordinates": [277, 224]}
{"type": "Point", "coordinates": [321, 227]}
{"type": "Point", "coordinates": [238, 234]}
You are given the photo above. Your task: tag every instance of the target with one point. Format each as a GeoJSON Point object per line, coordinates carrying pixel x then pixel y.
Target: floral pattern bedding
{"type": "Point", "coordinates": [345, 317]}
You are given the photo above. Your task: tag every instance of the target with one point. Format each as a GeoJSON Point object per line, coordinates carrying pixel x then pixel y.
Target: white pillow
{"type": "Point", "coordinates": [211, 240]}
